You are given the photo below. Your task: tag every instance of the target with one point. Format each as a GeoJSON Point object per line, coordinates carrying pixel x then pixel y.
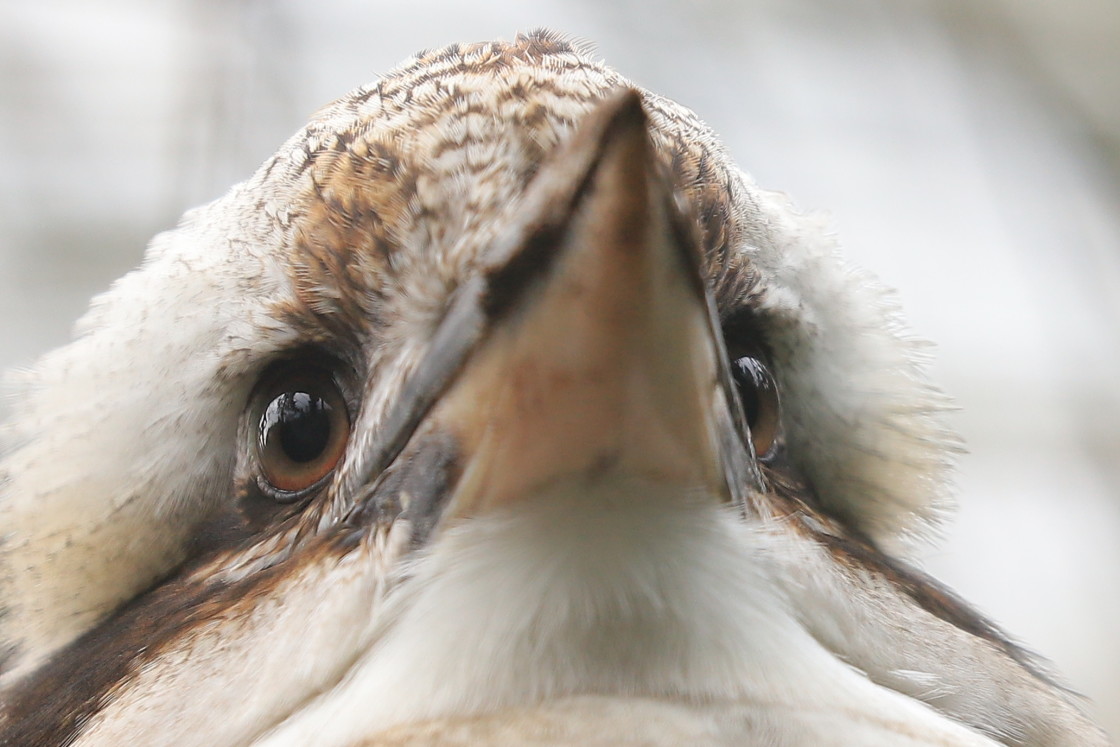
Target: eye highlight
{"type": "Point", "coordinates": [759, 394]}
{"type": "Point", "coordinates": [300, 428]}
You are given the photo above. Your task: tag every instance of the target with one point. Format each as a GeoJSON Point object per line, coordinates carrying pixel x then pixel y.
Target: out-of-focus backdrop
{"type": "Point", "coordinates": [968, 150]}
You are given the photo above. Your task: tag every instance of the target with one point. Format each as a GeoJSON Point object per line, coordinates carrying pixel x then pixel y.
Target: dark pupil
{"type": "Point", "coordinates": [301, 421]}
{"type": "Point", "coordinates": [749, 379]}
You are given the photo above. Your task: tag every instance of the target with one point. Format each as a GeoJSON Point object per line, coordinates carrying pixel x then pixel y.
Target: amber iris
{"type": "Point", "coordinates": [302, 428]}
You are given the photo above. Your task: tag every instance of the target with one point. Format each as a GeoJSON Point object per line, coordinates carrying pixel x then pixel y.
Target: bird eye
{"type": "Point", "coordinates": [301, 430]}
{"type": "Point", "coordinates": [759, 395]}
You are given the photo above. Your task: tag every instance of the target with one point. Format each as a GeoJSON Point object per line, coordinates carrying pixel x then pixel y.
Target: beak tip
{"type": "Point", "coordinates": [625, 107]}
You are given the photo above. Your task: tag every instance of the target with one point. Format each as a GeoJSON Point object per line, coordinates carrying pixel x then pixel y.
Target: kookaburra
{"type": "Point", "coordinates": [497, 407]}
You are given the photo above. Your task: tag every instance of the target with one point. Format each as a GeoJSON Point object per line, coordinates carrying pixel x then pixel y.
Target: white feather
{"type": "Point", "coordinates": [861, 416]}
{"type": "Point", "coordinates": [606, 587]}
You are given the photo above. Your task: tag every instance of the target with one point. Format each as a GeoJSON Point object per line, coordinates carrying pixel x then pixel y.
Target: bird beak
{"type": "Point", "coordinates": [587, 345]}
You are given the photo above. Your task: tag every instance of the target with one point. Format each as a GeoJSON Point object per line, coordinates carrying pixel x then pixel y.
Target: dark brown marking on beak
{"type": "Point", "coordinates": [526, 255]}
{"type": "Point", "coordinates": [414, 488]}
{"type": "Point", "coordinates": [379, 445]}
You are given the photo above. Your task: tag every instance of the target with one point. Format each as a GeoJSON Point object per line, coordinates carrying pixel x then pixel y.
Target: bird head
{"type": "Point", "coordinates": [499, 389]}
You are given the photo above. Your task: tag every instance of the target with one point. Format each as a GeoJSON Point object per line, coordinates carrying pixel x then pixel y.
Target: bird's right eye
{"type": "Point", "coordinates": [300, 429]}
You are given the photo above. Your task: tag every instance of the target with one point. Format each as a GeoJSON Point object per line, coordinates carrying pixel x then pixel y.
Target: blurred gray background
{"type": "Point", "coordinates": [968, 151]}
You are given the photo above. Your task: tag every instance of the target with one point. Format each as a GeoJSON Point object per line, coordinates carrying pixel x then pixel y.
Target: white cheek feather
{"type": "Point", "coordinates": [862, 419]}
{"type": "Point", "coordinates": [144, 404]}
{"type": "Point", "coordinates": [613, 588]}
{"type": "Point", "coordinates": [246, 669]}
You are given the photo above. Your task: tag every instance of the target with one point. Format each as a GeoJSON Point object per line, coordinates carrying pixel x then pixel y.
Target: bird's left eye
{"type": "Point", "coordinates": [759, 395]}
{"type": "Point", "coordinates": [301, 429]}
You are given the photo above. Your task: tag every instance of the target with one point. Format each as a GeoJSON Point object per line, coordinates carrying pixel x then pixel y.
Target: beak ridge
{"type": "Point", "coordinates": [599, 353]}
